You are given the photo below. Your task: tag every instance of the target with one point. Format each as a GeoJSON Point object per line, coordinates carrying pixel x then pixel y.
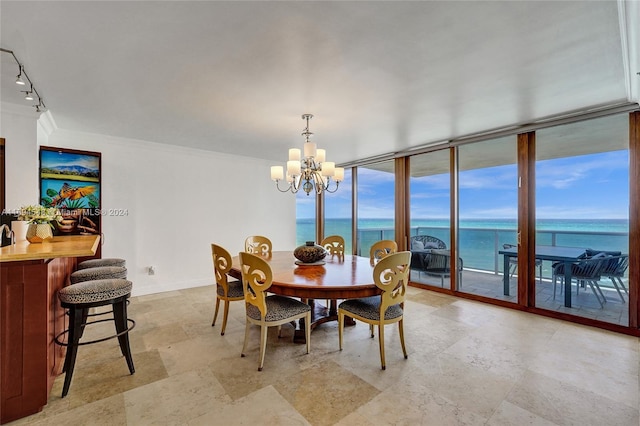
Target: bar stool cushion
{"type": "Point", "coordinates": [94, 291]}
{"type": "Point", "coordinates": [96, 263]}
{"type": "Point", "coordinates": [100, 273]}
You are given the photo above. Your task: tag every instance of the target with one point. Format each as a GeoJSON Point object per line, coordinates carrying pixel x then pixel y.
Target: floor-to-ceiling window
{"type": "Point", "coordinates": [338, 215]}
{"type": "Point", "coordinates": [582, 203]}
{"type": "Point", "coordinates": [573, 180]}
{"type": "Point", "coordinates": [488, 212]}
{"type": "Point", "coordinates": [376, 204]}
{"type": "Point", "coordinates": [430, 221]}
{"type": "Point", "coordinates": [305, 217]}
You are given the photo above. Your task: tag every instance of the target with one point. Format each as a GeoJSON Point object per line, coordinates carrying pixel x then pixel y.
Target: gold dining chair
{"type": "Point", "coordinates": [257, 244]}
{"type": "Point", "coordinates": [267, 311]}
{"type": "Point", "coordinates": [391, 275]}
{"type": "Point", "coordinates": [226, 290]}
{"type": "Point", "coordinates": [334, 245]}
{"type": "Point", "coordinates": [382, 249]}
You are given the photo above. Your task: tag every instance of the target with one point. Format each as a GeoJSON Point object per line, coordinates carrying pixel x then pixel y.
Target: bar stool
{"type": "Point", "coordinates": [78, 299]}
{"type": "Point", "coordinates": [99, 273]}
{"type": "Point", "coordinates": [95, 263]}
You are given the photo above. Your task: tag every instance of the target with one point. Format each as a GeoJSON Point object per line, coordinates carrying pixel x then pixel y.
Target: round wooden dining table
{"type": "Point", "coordinates": [339, 278]}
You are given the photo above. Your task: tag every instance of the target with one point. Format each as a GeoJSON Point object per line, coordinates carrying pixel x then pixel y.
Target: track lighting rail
{"type": "Point", "coordinates": [31, 94]}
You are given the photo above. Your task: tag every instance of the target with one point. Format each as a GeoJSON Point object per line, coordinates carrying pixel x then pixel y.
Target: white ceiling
{"type": "Point", "coordinates": [379, 76]}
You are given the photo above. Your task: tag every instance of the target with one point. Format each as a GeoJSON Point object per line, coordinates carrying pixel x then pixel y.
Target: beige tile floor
{"type": "Point", "coordinates": [469, 364]}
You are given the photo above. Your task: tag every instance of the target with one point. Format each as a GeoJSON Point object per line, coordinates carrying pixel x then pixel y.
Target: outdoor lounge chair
{"type": "Point", "coordinates": [430, 255]}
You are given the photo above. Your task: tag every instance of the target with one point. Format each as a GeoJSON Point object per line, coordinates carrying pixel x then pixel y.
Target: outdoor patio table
{"type": "Point", "coordinates": [568, 255]}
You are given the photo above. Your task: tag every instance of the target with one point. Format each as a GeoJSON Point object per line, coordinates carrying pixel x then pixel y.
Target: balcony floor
{"type": "Point", "coordinates": [584, 304]}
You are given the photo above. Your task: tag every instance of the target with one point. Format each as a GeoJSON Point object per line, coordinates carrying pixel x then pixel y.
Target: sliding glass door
{"type": "Point", "coordinates": [430, 213]}
{"type": "Point", "coordinates": [582, 207]}
{"type": "Point", "coordinates": [338, 217]}
{"type": "Point", "coordinates": [488, 217]}
{"type": "Point", "coordinates": [376, 204]}
{"type": "Point", "coordinates": [305, 217]}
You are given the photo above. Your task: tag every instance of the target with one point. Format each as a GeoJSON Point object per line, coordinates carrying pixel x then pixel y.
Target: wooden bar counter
{"type": "Point", "coordinates": [30, 318]}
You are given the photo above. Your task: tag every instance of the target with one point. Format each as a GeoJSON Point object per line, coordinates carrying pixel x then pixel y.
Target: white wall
{"type": "Point", "coordinates": [177, 202]}
{"type": "Point", "coordinates": [18, 126]}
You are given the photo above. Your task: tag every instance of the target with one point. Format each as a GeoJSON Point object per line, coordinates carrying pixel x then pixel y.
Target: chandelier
{"type": "Point", "coordinates": [312, 172]}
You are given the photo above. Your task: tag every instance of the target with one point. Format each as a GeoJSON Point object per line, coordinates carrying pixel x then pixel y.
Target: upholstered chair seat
{"type": "Point", "coordinates": [278, 308]}
{"type": "Point", "coordinates": [369, 308]}
{"type": "Point", "coordinates": [235, 290]}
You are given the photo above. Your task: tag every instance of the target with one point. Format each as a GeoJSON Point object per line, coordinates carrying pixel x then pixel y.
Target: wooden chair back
{"type": "Point", "coordinates": [334, 245]}
{"type": "Point", "coordinates": [382, 249]}
{"type": "Point", "coordinates": [221, 266]}
{"type": "Point", "coordinates": [257, 277]}
{"type": "Point", "coordinates": [257, 244]}
{"type": "Point", "coordinates": [391, 275]}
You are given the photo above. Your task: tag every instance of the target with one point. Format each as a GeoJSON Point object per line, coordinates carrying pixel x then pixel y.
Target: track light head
{"type": "Point", "coordinates": [19, 79]}
{"type": "Point", "coordinates": [40, 107]}
{"type": "Point", "coordinates": [28, 94]}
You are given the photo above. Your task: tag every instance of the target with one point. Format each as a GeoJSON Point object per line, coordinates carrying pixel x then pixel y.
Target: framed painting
{"type": "Point", "coordinates": [70, 180]}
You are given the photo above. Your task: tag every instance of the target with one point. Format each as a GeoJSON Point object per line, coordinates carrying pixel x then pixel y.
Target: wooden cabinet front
{"type": "Point", "coordinates": [30, 317]}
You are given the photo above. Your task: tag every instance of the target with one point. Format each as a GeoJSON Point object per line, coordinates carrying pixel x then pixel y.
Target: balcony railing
{"type": "Point", "coordinates": [479, 246]}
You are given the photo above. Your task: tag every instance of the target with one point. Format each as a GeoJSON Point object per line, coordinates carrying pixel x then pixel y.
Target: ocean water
{"type": "Point", "coordinates": [480, 239]}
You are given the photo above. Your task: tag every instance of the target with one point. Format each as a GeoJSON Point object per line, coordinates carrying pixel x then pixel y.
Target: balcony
{"type": "Point", "coordinates": [483, 267]}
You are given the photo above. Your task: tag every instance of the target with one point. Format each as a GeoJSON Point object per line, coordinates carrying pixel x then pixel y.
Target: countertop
{"type": "Point", "coordinates": [60, 246]}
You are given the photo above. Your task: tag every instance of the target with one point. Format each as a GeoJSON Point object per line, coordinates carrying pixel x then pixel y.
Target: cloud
{"type": "Point", "coordinates": [501, 212]}
{"type": "Point", "coordinates": [563, 173]}
{"type": "Point", "coordinates": [492, 178]}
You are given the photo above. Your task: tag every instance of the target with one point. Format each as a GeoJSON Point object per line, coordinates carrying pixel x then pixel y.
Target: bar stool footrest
{"type": "Point", "coordinates": [129, 320]}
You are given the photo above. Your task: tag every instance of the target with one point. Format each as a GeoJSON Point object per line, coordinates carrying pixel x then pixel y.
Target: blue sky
{"type": "Point", "coordinates": [591, 186]}
{"type": "Point", "coordinates": [56, 159]}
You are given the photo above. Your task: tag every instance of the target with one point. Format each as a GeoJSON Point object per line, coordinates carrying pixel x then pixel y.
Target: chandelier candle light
{"type": "Point", "coordinates": [311, 173]}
